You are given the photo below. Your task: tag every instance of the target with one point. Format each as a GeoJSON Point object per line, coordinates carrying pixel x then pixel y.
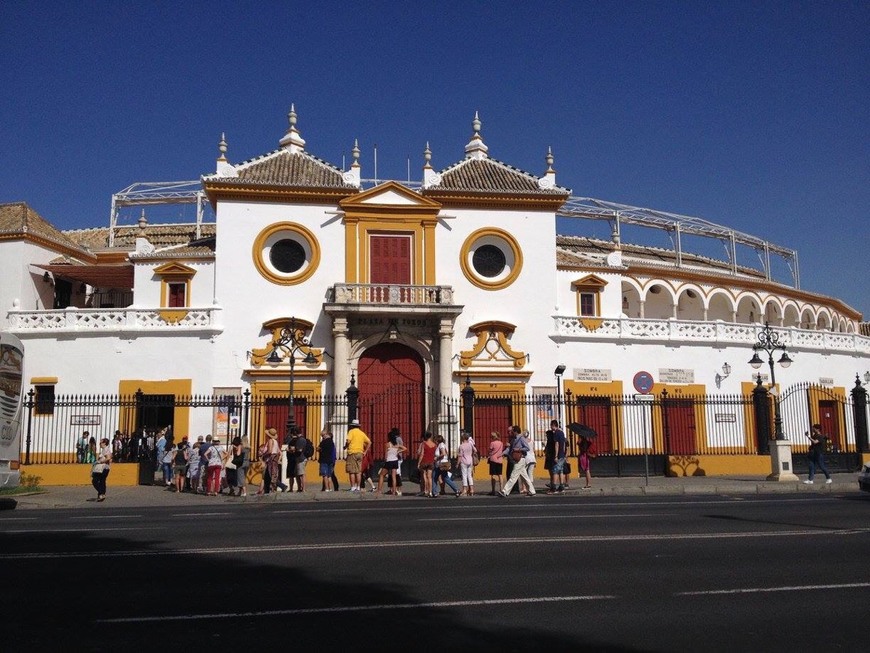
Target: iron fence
{"type": "Point", "coordinates": [667, 424]}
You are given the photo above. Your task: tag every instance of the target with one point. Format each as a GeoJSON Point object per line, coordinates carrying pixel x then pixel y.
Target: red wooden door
{"type": "Point", "coordinates": [390, 263]}
{"type": "Point", "coordinates": [391, 395]}
{"type": "Point", "coordinates": [491, 414]}
{"type": "Point", "coordinates": [829, 420]}
{"type": "Point", "coordinates": [679, 424]}
{"type": "Point", "coordinates": [594, 412]}
{"type": "Point", "coordinates": [277, 411]}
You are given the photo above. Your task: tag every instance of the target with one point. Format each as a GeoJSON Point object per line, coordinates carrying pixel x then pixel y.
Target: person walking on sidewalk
{"type": "Point", "coordinates": [517, 451]}
{"type": "Point", "coordinates": [441, 474]}
{"type": "Point", "coordinates": [818, 446]}
{"type": "Point", "coordinates": [100, 470]}
{"type": "Point", "coordinates": [585, 454]}
{"type": "Point", "coordinates": [560, 452]}
{"type": "Point", "coordinates": [495, 461]}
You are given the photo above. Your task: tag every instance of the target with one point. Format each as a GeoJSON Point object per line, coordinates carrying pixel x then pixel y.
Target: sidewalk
{"type": "Point", "coordinates": [145, 495]}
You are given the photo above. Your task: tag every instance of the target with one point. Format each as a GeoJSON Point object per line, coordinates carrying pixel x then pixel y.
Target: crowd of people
{"type": "Point", "coordinates": [209, 467]}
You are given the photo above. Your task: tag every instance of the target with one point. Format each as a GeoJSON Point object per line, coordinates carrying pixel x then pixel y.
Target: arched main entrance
{"type": "Point", "coordinates": [391, 394]}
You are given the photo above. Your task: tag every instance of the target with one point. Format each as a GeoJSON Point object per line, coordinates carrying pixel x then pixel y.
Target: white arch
{"type": "Point", "coordinates": [659, 305]}
{"type": "Point", "coordinates": [720, 305]}
{"type": "Point", "coordinates": [749, 308]}
{"type": "Point", "coordinates": [691, 307]}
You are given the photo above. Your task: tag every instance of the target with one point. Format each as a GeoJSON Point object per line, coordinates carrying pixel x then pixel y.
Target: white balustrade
{"type": "Point", "coordinates": [81, 320]}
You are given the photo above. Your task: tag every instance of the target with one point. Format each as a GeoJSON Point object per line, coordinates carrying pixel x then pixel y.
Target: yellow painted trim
{"type": "Point", "coordinates": [514, 392]}
{"type": "Point", "coordinates": [468, 270]}
{"type": "Point", "coordinates": [486, 332]}
{"type": "Point", "coordinates": [413, 232]}
{"type": "Point", "coordinates": [43, 380]}
{"type": "Point", "coordinates": [172, 315]}
{"type": "Point", "coordinates": [257, 253]}
{"type": "Point", "coordinates": [351, 249]}
{"type": "Point", "coordinates": [309, 390]}
{"type": "Point", "coordinates": [821, 393]}
{"type": "Point", "coordinates": [429, 252]}
{"type": "Point", "coordinates": [169, 273]}
{"type": "Point", "coordinates": [176, 387]}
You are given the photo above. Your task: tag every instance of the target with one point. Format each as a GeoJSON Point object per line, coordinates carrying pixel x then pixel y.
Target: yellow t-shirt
{"type": "Point", "coordinates": [357, 440]}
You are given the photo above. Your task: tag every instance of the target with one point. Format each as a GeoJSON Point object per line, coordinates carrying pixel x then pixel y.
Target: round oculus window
{"type": "Point", "coordinates": [287, 256]}
{"type": "Point", "coordinates": [286, 253]}
{"type": "Point", "coordinates": [488, 261]}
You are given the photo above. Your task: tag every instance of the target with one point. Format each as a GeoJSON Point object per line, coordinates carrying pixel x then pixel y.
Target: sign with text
{"type": "Point", "coordinates": [676, 375]}
{"type": "Point", "coordinates": [84, 420]}
{"type": "Point", "coordinates": [593, 374]}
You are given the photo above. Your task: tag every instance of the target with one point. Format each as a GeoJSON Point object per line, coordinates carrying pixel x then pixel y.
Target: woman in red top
{"type": "Point", "coordinates": [426, 463]}
{"type": "Point", "coordinates": [584, 457]}
{"type": "Point", "coordinates": [496, 466]}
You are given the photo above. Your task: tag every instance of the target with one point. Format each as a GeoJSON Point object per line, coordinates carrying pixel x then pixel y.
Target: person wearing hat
{"type": "Point", "coordinates": [357, 444]}
{"type": "Point", "coordinates": [270, 457]}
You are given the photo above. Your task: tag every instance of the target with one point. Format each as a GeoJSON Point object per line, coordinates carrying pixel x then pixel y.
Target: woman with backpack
{"type": "Point", "coordinates": [441, 471]}
{"type": "Point", "coordinates": [179, 465]}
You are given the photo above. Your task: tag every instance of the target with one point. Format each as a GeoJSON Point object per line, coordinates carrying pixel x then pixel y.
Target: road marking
{"type": "Point", "coordinates": [80, 530]}
{"type": "Point", "coordinates": [108, 517]}
{"type": "Point", "coordinates": [488, 541]}
{"type": "Point", "coordinates": [201, 514]}
{"type": "Point", "coordinates": [788, 588]}
{"type": "Point", "coordinates": [568, 516]}
{"type": "Point", "coordinates": [5, 519]}
{"type": "Point", "coordinates": [359, 608]}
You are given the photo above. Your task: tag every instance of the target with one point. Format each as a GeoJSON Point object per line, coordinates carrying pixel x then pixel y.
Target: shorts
{"type": "Point", "coordinates": [558, 466]}
{"type": "Point", "coordinates": [353, 464]}
{"type": "Point", "coordinates": [495, 469]}
{"type": "Point", "coordinates": [427, 467]}
{"type": "Point", "coordinates": [180, 470]}
{"type": "Point", "coordinates": [300, 468]}
{"type": "Point", "coordinates": [391, 464]}
{"type": "Point", "coordinates": [327, 469]}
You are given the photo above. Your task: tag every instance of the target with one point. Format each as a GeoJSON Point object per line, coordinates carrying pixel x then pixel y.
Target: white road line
{"type": "Point", "coordinates": [5, 519]}
{"type": "Point", "coordinates": [359, 608]}
{"type": "Point", "coordinates": [108, 517]}
{"type": "Point", "coordinates": [487, 541]}
{"type": "Point", "coordinates": [568, 516]}
{"type": "Point", "coordinates": [756, 590]}
{"type": "Point", "coordinates": [201, 514]}
{"type": "Point", "coordinates": [80, 530]}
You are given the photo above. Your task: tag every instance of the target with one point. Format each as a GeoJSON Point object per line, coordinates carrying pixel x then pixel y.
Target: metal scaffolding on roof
{"type": "Point", "coordinates": [154, 193]}
{"type": "Point", "coordinates": [675, 225]}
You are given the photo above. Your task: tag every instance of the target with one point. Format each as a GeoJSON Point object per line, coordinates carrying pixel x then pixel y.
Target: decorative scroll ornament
{"type": "Point", "coordinates": [492, 347]}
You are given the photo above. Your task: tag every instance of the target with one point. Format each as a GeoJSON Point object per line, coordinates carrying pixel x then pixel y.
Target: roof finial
{"type": "Point", "coordinates": [292, 141]}
{"type": "Point", "coordinates": [427, 156]}
{"type": "Point", "coordinates": [476, 148]}
{"type": "Point", "coordinates": [355, 153]}
{"type": "Point", "coordinates": [143, 221]}
{"type": "Point", "coordinates": [550, 159]}
{"type": "Point", "coordinates": [222, 147]}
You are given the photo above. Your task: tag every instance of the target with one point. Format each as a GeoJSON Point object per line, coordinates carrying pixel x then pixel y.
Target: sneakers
{"type": "Point", "coordinates": [808, 482]}
{"type": "Point", "coordinates": [829, 481]}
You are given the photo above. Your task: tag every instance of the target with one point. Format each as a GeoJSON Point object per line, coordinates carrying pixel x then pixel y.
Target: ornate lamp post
{"type": "Point", "coordinates": [768, 341]}
{"type": "Point", "coordinates": [780, 449]}
{"type": "Point", "coordinates": [291, 340]}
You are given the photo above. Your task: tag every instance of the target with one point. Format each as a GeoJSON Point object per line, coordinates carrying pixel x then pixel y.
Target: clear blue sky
{"type": "Point", "coordinates": [750, 114]}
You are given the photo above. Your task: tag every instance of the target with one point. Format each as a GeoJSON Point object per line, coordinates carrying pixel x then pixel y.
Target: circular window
{"type": "Point", "coordinates": [488, 261]}
{"type": "Point", "coordinates": [491, 258]}
{"type": "Point", "coordinates": [286, 253]}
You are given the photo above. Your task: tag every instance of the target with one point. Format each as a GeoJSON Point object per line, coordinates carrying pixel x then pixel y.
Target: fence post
{"type": "Point", "coordinates": [352, 393]}
{"type": "Point", "coordinates": [468, 406]}
{"type": "Point", "coordinates": [859, 403]}
{"type": "Point", "coordinates": [665, 427]}
{"type": "Point", "coordinates": [29, 405]}
{"type": "Point", "coordinates": [761, 409]}
{"type": "Point", "coordinates": [246, 415]}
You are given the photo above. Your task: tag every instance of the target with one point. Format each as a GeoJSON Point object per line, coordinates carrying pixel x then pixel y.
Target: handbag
{"type": "Point", "coordinates": [229, 464]}
{"type": "Point", "coordinates": [444, 467]}
{"type": "Point", "coordinates": [98, 468]}
{"type": "Point", "coordinates": [517, 455]}
{"type": "Point", "coordinates": [475, 458]}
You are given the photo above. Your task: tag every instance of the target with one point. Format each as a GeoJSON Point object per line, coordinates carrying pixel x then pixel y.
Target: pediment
{"type": "Point", "coordinates": [589, 281]}
{"type": "Point", "coordinates": [389, 195]}
{"type": "Point", "coordinates": [173, 268]}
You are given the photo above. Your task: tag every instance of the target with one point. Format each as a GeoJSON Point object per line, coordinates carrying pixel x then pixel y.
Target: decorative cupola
{"type": "Point", "coordinates": [549, 178]}
{"type": "Point", "coordinates": [430, 177]}
{"type": "Point", "coordinates": [224, 168]}
{"type": "Point", "coordinates": [292, 141]}
{"type": "Point", "coordinates": [476, 148]}
{"type": "Point", "coordinates": [353, 175]}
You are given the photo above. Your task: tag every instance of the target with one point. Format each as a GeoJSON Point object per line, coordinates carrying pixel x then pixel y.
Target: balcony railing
{"type": "Point", "coordinates": [391, 294]}
{"type": "Point", "coordinates": [569, 328]}
{"type": "Point", "coordinates": [115, 319]}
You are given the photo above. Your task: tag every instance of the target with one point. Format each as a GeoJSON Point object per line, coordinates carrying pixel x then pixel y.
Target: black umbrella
{"type": "Point", "coordinates": [582, 430]}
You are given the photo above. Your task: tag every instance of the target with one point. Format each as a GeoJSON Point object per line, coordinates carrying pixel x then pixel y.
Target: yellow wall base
{"type": "Point", "coordinates": [718, 465]}
{"type": "Point", "coordinates": [74, 474]}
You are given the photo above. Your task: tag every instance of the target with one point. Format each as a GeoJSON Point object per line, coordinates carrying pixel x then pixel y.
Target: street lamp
{"type": "Point", "coordinates": [560, 370]}
{"type": "Point", "coordinates": [768, 341]}
{"type": "Point", "coordinates": [291, 340]}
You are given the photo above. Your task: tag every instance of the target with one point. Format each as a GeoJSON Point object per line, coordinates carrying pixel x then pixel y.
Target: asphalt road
{"type": "Point", "coordinates": [761, 573]}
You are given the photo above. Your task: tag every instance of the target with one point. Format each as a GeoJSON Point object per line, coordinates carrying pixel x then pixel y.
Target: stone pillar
{"type": "Point", "coordinates": [859, 403]}
{"type": "Point", "coordinates": [445, 357]}
{"type": "Point", "coordinates": [341, 351]}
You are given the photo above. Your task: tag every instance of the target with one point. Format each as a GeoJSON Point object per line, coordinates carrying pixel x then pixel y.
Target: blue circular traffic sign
{"type": "Point", "coordinates": [643, 382]}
